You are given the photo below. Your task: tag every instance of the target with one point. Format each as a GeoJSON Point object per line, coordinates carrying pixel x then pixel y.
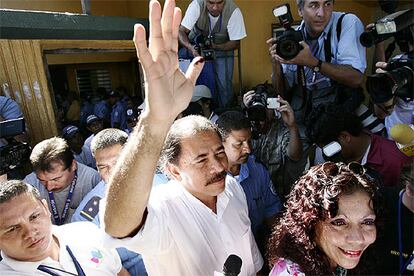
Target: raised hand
{"type": "Point", "coordinates": [167, 90]}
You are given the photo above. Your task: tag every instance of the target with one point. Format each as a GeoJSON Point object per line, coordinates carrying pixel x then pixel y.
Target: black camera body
{"type": "Point", "coordinates": [397, 81]}
{"type": "Point", "coordinates": [288, 45]}
{"type": "Point", "coordinates": [204, 46]}
{"type": "Point", "coordinates": [14, 154]}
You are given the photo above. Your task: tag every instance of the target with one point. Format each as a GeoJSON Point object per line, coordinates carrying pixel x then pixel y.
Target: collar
{"type": "Point", "coordinates": [222, 199]}
{"type": "Point", "coordinates": [374, 154]}
{"type": "Point", "coordinates": [19, 266]}
{"type": "Point", "coordinates": [244, 169]}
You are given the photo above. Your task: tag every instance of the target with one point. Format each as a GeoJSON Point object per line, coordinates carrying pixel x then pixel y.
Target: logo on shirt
{"type": "Point", "coordinates": [96, 256]}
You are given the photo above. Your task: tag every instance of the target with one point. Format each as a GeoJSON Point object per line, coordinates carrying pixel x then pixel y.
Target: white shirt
{"type": "Point", "coordinates": [182, 236]}
{"type": "Point", "coordinates": [235, 26]}
{"type": "Point", "coordinates": [83, 240]}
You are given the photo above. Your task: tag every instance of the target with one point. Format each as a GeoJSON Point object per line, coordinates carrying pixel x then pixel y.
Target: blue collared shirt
{"type": "Point", "coordinates": [348, 51]}
{"type": "Point", "coordinates": [262, 202]}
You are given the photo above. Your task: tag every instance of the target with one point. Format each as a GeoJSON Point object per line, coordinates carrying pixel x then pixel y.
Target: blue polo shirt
{"type": "Point", "coordinates": [262, 202]}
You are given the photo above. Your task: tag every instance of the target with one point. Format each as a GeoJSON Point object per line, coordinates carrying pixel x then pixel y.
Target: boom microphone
{"type": "Point", "coordinates": [403, 135]}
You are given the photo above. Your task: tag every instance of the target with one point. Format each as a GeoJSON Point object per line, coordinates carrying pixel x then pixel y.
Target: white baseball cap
{"type": "Point", "coordinates": [201, 91]}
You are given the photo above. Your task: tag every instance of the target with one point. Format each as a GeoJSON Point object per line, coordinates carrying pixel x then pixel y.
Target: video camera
{"type": "Point", "coordinates": [396, 81]}
{"type": "Point", "coordinates": [14, 154]}
{"type": "Point", "coordinates": [203, 45]}
{"type": "Point", "coordinates": [398, 78]}
{"type": "Point", "coordinates": [395, 25]}
{"type": "Point", "coordinates": [288, 45]}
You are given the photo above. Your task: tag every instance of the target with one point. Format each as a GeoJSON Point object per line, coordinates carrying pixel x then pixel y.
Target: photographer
{"type": "Point", "coordinates": [391, 87]}
{"type": "Point", "coordinates": [220, 27]}
{"type": "Point", "coordinates": [276, 142]}
{"type": "Point", "coordinates": [399, 108]}
{"type": "Point", "coordinates": [331, 56]}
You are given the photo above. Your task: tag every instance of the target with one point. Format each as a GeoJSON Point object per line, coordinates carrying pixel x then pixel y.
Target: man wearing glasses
{"type": "Point", "coordinates": [60, 179]}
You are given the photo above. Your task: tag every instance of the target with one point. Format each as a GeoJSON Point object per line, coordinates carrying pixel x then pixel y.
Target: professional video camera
{"type": "Point", "coordinates": [288, 45]}
{"type": "Point", "coordinates": [398, 78]}
{"type": "Point", "coordinates": [14, 154]}
{"type": "Point", "coordinates": [203, 45]}
{"type": "Point", "coordinates": [396, 81]}
{"type": "Point", "coordinates": [395, 25]}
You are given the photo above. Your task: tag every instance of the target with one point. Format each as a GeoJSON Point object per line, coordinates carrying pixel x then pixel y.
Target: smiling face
{"type": "Point", "coordinates": [202, 165]}
{"type": "Point", "coordinates": [344, 237]}
{"type": "Point", "coordinates": [316, 14]}
{"type": "Point", "coordinates": [25, 228]}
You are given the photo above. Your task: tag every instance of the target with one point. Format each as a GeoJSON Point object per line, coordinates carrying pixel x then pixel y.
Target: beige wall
{"type": "Point", "coordinates": [257, 14]}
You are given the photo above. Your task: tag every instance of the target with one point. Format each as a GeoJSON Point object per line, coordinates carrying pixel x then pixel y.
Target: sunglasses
{"type": "Point", "coordinates": [333, 169]}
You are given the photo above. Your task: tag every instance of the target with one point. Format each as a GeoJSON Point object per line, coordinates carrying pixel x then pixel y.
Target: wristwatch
{"type": "Point", "coordinates": [317, 68]}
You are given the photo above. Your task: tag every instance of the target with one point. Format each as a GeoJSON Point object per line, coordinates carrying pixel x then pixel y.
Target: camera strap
{"type": "Point", "coordinates": [59, 220]}
{"type": "Point", "coordinates": [327, 42]}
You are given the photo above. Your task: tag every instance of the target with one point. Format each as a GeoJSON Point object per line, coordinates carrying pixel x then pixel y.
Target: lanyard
{"type": "Point", "coordinates": [411, 257]}
{"type": "Point", "coordinates": [61, 220]}
{"type": "Point", "coordinates": [48, 269]}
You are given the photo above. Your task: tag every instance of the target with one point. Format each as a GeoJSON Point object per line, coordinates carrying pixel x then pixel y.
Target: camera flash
{"type": "Point", "coordinates": [281, 10]}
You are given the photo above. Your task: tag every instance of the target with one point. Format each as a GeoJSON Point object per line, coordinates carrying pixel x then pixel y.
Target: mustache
{"type": "Point", "coordinates": [217, 177]}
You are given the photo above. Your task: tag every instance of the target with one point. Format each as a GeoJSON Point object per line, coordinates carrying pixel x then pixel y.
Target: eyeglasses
{"type": "Point", "coordinates": [333, 169]}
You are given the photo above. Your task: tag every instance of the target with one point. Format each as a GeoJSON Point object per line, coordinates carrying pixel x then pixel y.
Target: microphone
{"type": "Point", "coordinates": [232, 265]}
{"type": "Point", "coordinates": [403, 135]}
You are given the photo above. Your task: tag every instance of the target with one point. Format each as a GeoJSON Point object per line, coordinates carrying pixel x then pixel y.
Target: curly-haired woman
{"type": "Point", "coordinates": [330, 220]}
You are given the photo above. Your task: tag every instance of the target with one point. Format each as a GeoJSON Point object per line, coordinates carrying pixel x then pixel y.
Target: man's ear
{"type": "Point", "coordinates": [174, 171]}
{"type": "Point", "coordinates": [74, 165]}
{"type": "Point", "coordinates": [300, 12]}
{"type": "Point", "coordinates": [344, 137]}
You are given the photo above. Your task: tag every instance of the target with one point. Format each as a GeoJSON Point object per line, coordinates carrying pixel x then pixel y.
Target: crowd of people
{"type": "Point", "coordinates": [173, 188]}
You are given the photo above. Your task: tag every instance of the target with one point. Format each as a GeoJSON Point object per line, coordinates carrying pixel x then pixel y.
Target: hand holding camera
{"type": "Point", "coordinates": [286, 111]}
{"type": "Point", "coordinates": [289, 47]}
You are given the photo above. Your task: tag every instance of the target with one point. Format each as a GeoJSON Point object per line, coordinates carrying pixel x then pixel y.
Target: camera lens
{"type": "Point", "coordinates": [383, 86]}
{"type": "Point", "coordinates": [288, 49]}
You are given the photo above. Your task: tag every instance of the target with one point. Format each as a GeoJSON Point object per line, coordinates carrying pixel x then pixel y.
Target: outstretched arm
{"type": "Point", "coordinates": [167, 92]}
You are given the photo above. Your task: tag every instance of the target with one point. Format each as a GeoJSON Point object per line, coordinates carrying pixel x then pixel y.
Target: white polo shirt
{"type": "Point", "coordinates": [83, 239]}
{"type": "Point", "coordinates": [182, 236]}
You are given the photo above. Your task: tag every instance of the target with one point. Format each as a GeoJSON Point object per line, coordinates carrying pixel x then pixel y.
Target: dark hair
{"type": "Point", "coordinates": [49, 151]}
{"type": "Point", "coordinates": [107, 138]}
{"type": "Point", "coordinates": [193, 108]}
{"type": "Point", "coordinates": [314, 198]}
{"type": "Point", "coordinates": [301, 3]}
{"type": "Point", "coordinates": [12, 188]}
{"type": "Point", "coordinates": [182, 128]}
{"type": "Point", "coordinates": [232, 120]}
{"type": "Point", "coordinates": [325, 123]}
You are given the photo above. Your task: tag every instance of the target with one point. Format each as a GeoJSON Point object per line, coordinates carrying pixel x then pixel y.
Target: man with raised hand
{"type": "Point", "coordinates": [192, 224]}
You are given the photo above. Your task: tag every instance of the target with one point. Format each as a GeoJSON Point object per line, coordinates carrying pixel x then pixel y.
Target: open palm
{"type": "Point", "coordinates": [168, 91]}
